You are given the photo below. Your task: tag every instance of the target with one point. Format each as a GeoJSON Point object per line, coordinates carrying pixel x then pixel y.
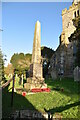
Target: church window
{"type": "Point", "coordinates": [75, 14]}
{"type": "Point", "coordinates": [74, 49]}
{"type": "Point", "coordinates": [78, 12]}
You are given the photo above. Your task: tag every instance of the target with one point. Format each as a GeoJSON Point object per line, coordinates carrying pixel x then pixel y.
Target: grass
{"type": "Point", "coordinates": [66, 102]}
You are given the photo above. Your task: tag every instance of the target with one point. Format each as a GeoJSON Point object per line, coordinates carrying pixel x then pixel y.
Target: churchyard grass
{"type": "Point", "coordinates": [64, 100]}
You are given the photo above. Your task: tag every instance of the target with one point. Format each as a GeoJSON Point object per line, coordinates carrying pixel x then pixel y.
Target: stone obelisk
{"type": "Point", "coordinates": [36, 53]}
{"type": "Point", "coordinates": [36, 79]}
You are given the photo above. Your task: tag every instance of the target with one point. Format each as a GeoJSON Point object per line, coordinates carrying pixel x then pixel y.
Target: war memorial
{"type": "Point", "coordinates": [36, 79]}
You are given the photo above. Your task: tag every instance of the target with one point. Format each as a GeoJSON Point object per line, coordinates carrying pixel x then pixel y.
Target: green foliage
{"type": "Point", "coordinates": [14, 60]}
{"type": "Point", "coordinates": [9, 69]}
{"type": "Point", "coordinates": [46, 54]}
{"type": "Point", "coordinates": [21, 62]}
{"type": "Point", "coordinates": [1, 67]}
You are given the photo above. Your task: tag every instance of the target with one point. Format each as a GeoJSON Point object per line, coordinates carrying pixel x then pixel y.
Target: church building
{"type": "Point", "coordinates": [62, 62]}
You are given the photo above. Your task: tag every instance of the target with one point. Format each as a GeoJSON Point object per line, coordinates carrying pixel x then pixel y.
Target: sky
{"type": "Point", "coordinates": [18, 24]}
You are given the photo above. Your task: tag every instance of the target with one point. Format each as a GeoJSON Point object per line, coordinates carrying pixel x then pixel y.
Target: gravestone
{"type": "Point", "coordinates": [53, 75]}
{"type": "Point", "coordinates": [16, 75]}
{"type": "Point", "coordinates": [22, 78]}
{"type": "Point", "coordinates": [36, 79]}
{"type": "Point", "coordinates": [77, 74]}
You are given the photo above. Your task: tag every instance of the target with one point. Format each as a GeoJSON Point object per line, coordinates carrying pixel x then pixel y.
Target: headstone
{"type": "Point", "coordinates": [77, 74]}
{"type": "Point", "coordinates": [22, 78]}
{"type": "Point", "coordinates": [14, 89]}
{"type": "Point", "coordinates": [36, 79]}
{"type": "Point", "coordinates": [16, 76]}
{"type": "Point", "coordinates": [53, 75]}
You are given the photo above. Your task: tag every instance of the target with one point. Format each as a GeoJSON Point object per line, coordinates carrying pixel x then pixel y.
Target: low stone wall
{"type": "Point", "coordinates": [30, 114]}
{"type": "Point", "coordinates": [34, 114]}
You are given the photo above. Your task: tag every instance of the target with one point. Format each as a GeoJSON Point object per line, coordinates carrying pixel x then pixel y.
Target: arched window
{"type": "Point", "coordinates": [78, 12]}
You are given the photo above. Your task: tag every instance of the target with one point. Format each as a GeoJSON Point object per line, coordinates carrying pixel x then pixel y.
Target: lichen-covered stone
{"type": "Point", "coordinates": [67, 24]}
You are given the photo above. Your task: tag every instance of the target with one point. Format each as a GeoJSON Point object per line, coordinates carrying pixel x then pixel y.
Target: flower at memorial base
{"type": "Point", "coordinates": [24, 94]}
{"type": "Point", "coordinates": [40, 90]}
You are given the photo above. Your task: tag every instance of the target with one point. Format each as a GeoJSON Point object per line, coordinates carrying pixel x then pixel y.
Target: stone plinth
{"type": "Point", "coordinates": [35, 83]}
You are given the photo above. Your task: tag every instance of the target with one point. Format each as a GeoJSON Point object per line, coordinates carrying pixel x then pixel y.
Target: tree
{"type": "Point", "coordinates": [46, 54]}
{"type": "Point", "coordinates": [21, 62]}
{"type": "Point", "coordinates": [9, 69]}
{"type": "Point", "coordinates": [1, 67]}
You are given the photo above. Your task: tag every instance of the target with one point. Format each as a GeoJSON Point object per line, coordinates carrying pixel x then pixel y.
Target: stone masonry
{"type": "Point", "coordinates": [36, 67]}
{"type": "Point", "coordinates": [62, 61]}
{"type": "Point", "coordinates": [67, 23]}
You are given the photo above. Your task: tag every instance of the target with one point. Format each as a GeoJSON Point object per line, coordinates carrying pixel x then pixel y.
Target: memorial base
{"type": "Point", "coordinates": [34, 83]}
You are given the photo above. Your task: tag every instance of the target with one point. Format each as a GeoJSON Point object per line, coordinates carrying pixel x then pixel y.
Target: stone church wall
{"type": "Point", "coordinates": [62, 62]}
{"type": "Point", "coordinates": [67, 24]}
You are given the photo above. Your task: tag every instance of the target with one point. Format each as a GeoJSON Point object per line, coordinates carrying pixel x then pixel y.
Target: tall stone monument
{"type": "Point", "coordinates": [36, 67]}
{"type": "Point", "coordinates": [36, 79]}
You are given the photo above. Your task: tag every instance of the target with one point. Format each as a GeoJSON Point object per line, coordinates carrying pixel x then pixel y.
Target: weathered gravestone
{"type": "Point", "coordinates": [53, 75]}
{"type": "Point", "coordinates": [22, 76]}
{"type": "Point", "coordinates": [36, 79]}
{"type": "Point", "coordinates": [77, 74]}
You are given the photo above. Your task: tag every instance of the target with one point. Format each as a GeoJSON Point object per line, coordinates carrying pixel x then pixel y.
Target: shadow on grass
{"type": "Point", "coordinates": [68, 84]}
{"type": "Point", "coordinates": [62, 108]}
{"type": "Point", "coordinates": [19, 103]}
